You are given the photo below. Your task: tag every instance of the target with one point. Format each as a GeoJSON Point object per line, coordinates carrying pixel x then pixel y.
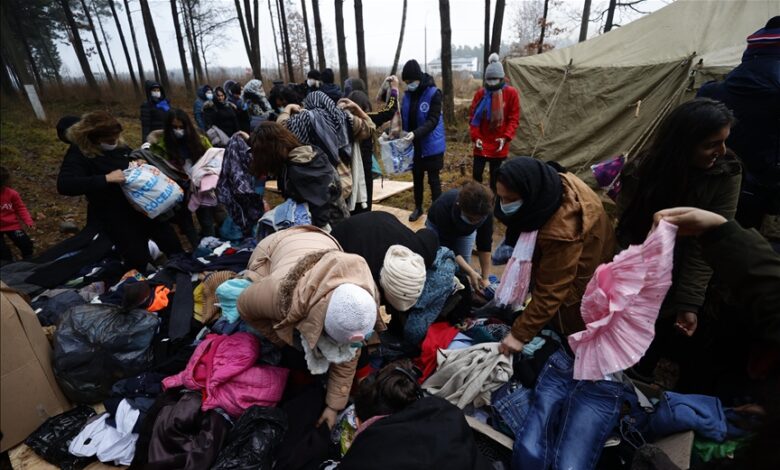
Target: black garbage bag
{"type": "Point", "coordinates": [252, 441]}
{"type": "Point", "coordinates": [97, 344]}
{"type": "Point", "coordinates": [52, 438]}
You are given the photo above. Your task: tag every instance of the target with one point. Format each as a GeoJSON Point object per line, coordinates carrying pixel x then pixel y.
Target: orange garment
{"type": "Point", "coordinates": [160, 300]}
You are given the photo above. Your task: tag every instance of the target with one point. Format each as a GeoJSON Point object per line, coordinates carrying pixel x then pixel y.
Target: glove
{"type": "Point", "coordinates": [409, 137]}
{"type": "Point", "coordinates": [478, 144]}
{"type": "Point", "coordinates": [501, 143]}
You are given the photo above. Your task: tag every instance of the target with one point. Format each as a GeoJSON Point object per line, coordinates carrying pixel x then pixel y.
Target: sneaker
{"type": "Point", "coordinates": [416, 214]}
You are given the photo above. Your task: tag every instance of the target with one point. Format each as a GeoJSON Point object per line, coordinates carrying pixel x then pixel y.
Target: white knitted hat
{"type": "Point", "coordinates": [351, 314]}
{"type": "Point", "coordinates": [402, 277]}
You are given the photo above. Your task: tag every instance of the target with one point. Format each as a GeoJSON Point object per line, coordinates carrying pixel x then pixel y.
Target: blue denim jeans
{"type": "Point", "coordinates": [459, 245]}
{"type": "Point", "coordinates": [568, 420]}
{"type": "Point", "coordinates": [511, 403]}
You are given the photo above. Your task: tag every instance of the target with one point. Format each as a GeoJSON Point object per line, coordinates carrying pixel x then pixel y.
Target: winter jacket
{"type": "Point", "coordinates": [12, 210]}
{"type": "Point", "coordinates": [507, 129]}
{"type": "Point", "coordinates": [223, 368]}
{"type": "Point", "coordinates": [429, 433]}
{"type": "Point", "coordinates": [197, 107]}
{"type": "Point", "coordinates": [223, 115]}
{"type": "Point", "coordinates": [294, 272]}
{"type": "Point", "coordinates": [421, 113]}
{"type": "Point", "coordinates": [746, 262]}
{"type": "Point", "coordinates": [156, 140]}
{"type": "Point", "coordinates": [752, 92]}
{"type": "Point", "coordinates": [153, 112]}
{"type": "Point", "coordinates": [332, 90]}
{"type": "Point", "coordinates": [715, 190]}
{"type": "Point", "coordinates": [569, 248]}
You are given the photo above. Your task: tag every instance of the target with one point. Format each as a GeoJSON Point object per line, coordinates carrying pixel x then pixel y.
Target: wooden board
{"type": "Point", "coordinates": [403, 216]}
{"type": "Point", "coordinates": [488, 431]}
{"type": "Point", "coordinates": [383, 189]}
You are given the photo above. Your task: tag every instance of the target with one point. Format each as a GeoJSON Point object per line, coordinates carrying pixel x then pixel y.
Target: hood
{"type": "Point", "coordinates": [148, 85]}
{"type": "Point", "coordinates": [426, 82]}
{"type": "Point", "coordinates": [302, 155]}
{"type": "Point", "coordinates": [228, 85]}
{"type": "Point", "coordinates": [254, 86]}
{"type": "Point", "coordinates": [63, 125]}
{"type": "Point", "coordinates": [202, 91]}
{"type": "Point", "coordinates": [155, 137]}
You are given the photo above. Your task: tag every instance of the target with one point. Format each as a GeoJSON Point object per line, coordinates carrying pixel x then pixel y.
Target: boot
{"type": "Point", "coordinates": [416, 214]}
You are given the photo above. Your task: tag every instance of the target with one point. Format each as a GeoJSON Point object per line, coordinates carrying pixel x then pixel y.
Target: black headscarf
{"type": "Point", "coordinates": [539, 184]}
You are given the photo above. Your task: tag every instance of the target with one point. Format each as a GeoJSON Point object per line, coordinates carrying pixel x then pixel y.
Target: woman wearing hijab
{"type": "Point", "coordinates": [221, 113]}
{"type": "Point", "coordinates": [257, 105]}
{"type": "Point", "coordinates": [561, 232]}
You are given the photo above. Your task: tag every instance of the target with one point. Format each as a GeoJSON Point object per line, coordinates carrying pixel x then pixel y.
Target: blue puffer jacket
{"type": "Point", "coordinates": [197, 107]}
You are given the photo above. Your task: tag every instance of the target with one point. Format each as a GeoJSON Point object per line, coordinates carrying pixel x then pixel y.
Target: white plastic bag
{"type": "Point", "coordinates": [397, 155]}
{"type": "Point", "coordinates": [150, 191]}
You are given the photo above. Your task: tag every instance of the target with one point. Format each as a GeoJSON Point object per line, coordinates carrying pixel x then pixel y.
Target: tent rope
{"type": "Point", "coordinates": [551, 106]}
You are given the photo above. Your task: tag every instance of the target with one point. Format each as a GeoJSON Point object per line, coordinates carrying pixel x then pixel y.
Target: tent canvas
{"type": "Point", "coordinates": [605, 96]}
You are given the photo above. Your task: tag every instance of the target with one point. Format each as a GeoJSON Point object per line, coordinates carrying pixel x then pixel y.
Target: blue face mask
{"type": "Point", "coordinates": [412, 86]}
{"type": "Point", "coordinates": [510, 208]}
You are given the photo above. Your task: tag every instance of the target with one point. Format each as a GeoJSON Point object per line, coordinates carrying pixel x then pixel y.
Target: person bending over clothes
{"type": "Point", "coordinates": [687, 163]}
{"type": "Point", "coordinates": [423, 432]}
{"type": "Point", "coordinates": [421, 113]}
{"type": "Point", "coordinates": [397, 256]}
{"type": "Point", "coordinates": [93, 168]}
{"type": "Point", "coordinates": [153, 109]}
{"type": "Point", "coordinates": [303, 172]}
{"type": "Point", "coordinates": [308, 294]}
{"type": "Point", "coordinates": [461, 217]}
{"type": "Point", "coordinates": [181, 145]}
{"type": "Point", "coordinates": [559, 219]}
{"type": "Point", "coordinates": [221, 113]}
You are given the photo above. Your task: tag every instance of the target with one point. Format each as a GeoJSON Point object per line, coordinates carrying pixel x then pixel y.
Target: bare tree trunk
{"type": "Point", "coordinates": [486, 43]}
{"type": "Point", "coordinates": [283, 56]}
{"type": "Point", "coordinates": [180, 43]}
{"type": "Point", "coordinates": [203, 53]}
{"type": "Point", "coordinates": [135, 46]}
{"type": "Point", "coordinates": [315, 6]}
{"type": "Point", "coordinates": [448, 98]}
{"type": "Point", "coordinates": [244, 33]}
{"type": "Point", "coordinates": [197, 68]}
{"type": "Point", "coordinates": [276, 43]}
{"type": "Point", "coordinates": [256, 40]}
{"type": "Point", "coordinates": [155, 44]}
{"type": "Point", "coordinates": [400, 41]}
{"type": "Point", "coordinates": [361, 45]}
{"type": "Point", "coordinates": [105, 39]}
{"type": "Point", "coordinates": [585, 20]}
{"type": "Point", "coordinates": [124, 47]}
{"type": "Point", "coordinates": [610, 15]}
{"type": "Point", "coordinates": [31, 62]}
{"type": "Point", "coordinates": [286, 36]}
{"type": "Point", "coordinates": [7, 82]}
{"type": "Point", "coordinates": [49, 56]}
{"type": "Point", "coordinates": [92, 29]}
{"type": "Point", "coordinates": [78, 46]}
{"type": "Point", "coordinates": [250, 34]}
{"type": "Point", "coordinates": [540, 47]}
{"type": "Point", "coordinates": [308, 35]}
{"type": "Point", "coordinates": [341, 41]}
{"type": "Point", "coordinates": [498, 25]}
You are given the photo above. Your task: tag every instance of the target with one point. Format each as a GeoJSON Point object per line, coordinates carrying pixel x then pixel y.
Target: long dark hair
{"type": "Point", "coordinates": [388, 391]}
{"type": "Point", "coordinates": [191, 141]}
{"type": "Point", "coordinates": [664, 168]}
{"type": "Point", "coordinates": [271, 144]}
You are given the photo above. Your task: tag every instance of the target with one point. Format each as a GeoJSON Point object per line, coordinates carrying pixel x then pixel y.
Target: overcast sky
{"type": "Point", "coordinates": [381, 19]}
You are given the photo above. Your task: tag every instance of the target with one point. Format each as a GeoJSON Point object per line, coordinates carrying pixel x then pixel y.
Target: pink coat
{"type": "Point", "coordinates": [223, 367]}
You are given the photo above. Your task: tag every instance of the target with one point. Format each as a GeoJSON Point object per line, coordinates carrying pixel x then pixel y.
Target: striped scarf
{"type": "Point", "coordinates": [322, 124]}
{"type": "Point", "coordinates": [491, 106]}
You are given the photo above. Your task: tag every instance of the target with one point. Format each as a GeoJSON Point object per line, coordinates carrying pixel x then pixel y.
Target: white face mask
{"type": "Point", "coordinates": [493, 82]}
{"type": "Point", "coordinates": [156, 94]}
{"type": "Point", "coordinates": [311, 82]}
{"type": "Point", "coordinates": [178, 133]}
{"type": "Point", "coordinates": [510, 208]}
{"type": "Point", "coordinates": [413, 86]}
{"type": "Point", "coordinates": [209, 96]}
{"type": "Point", "coordinates": [108, 147]}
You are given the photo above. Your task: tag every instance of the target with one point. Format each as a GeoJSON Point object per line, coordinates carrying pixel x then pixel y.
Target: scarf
{"type": "Point", "coordinates": [491, 106]}
{"type": "Point", "coordinates": [323, 124]}
{"type": "Point", "coordinates": [325, 353]}
{"type": "Point", "coordinates": [540, 187]}
{"type": "Point", "coordinates": [236, 186]}
{"type": "Point", "coordinates": [513, 288]}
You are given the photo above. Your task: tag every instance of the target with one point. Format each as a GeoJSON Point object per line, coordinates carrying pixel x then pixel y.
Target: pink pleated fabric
{"type": "Point", "coordinates": [621, 304]}
{"type": "Point", "coordinates": [513, 288]}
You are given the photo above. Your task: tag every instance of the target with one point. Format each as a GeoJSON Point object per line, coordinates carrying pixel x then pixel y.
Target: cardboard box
{"type": "Point", "coordinates": [29, 393]}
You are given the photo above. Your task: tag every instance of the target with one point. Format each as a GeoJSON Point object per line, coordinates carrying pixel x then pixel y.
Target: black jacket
{"type": "Point", "coordinates": [429, 434]}
{"type": "Point", "coordinates": [332, 90]}
{"type": "Point", "coordinates": [746, 262]}
{"type": "Point", "coordinates": [421, 129]}
{"type": "Point", "coordinates": [445, 215]}
{"type": "Point", "coordinates": [222, 115]}
{"type": "Point", "coordinates": [152, 114]}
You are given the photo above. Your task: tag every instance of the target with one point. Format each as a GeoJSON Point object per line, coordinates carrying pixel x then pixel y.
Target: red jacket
{"type": "Point", "coordinates": [506, 130]}
{"type": "Point", "coordinates": [12, 210]}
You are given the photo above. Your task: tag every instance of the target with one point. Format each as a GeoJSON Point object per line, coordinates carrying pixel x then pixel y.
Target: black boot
{"type": "Point", "coordinates": [416, 214]}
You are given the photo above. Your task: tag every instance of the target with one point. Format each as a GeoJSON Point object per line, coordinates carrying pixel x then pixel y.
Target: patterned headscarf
{"type": "Point", "coordinates": [323, 124]}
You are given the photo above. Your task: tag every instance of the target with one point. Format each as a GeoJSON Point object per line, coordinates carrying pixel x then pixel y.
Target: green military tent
{"type": "Point", "coordinates": [605, 96]}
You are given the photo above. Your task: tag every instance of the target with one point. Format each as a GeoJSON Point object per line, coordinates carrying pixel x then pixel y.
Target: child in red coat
{"type": "Point", "coordinates": [12, 211]}
{"type": "Point", "coordinates": [494, 117]}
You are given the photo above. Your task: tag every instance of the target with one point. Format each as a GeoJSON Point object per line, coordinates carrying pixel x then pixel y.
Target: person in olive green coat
{"type": "Point", "coordinates": [686, 164]}
{"type": "Point", "coordinates": [181, 144]}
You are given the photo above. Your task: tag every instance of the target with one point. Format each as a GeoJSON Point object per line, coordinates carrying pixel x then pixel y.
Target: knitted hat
{"type": "Point", "coordinates": [402, 277]}
{"type": "Point", "coordinates": [765, 41]}
{"type": "Point", "coordinates": [411, 71]}
{"type": "Point", "coordinates": [328, 76]}
{"type": "Point", "coordinates": [315, 74]}
{"type": "Point", "coordinates": [351, 314]}
{"type": "Point", "coordinates": [494, 69]}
